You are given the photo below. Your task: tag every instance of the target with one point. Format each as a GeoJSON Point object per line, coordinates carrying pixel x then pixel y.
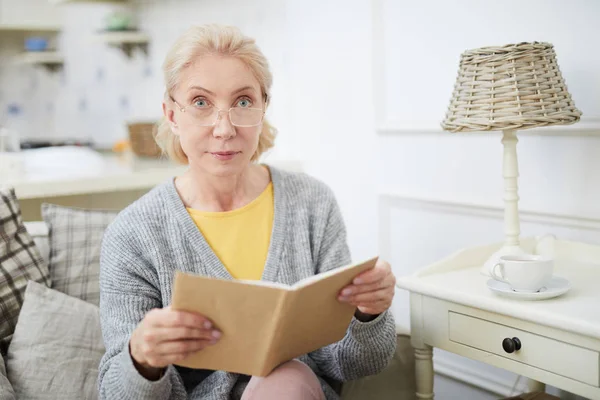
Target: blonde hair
{"type": "Point", "coordinates": [219, 40]}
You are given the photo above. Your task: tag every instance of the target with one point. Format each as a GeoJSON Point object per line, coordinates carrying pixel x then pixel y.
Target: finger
{"type": "Point", "coordinates": [174, 352]}
{"type": "Point", "coordinates": [375, 274]}
{"type": "Point", "coordinates": [369, 297]}
{"type": "Point", "coordinates": [171, 318]}
{"type": "Point", "coordinates": [386, 282]}
{"type": "Point", "coordinates": [160, 334]}
{"type": "Point", "coordinates": [370, 276]}
{"type": "Point", "coordinates": [181, 347]}
{"type": "Point", "coordinates": [383, 304]}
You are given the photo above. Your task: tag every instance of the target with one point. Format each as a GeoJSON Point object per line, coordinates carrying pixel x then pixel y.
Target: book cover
{"type": "Point", "coordinates": [265, 323]}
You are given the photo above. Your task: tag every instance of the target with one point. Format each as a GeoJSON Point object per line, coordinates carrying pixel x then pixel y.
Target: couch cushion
{"type": "Point", "coordinates": [20, 261]}
{"type": "Point", "coordinates": [75, 237]}
{"type": "Point", "coordinates": [56, 348]}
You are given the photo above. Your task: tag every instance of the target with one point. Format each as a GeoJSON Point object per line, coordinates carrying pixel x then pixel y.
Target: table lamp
{"type": "Point", "coordinates": [509, 88]}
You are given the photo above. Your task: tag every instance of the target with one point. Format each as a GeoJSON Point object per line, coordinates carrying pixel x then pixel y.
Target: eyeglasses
{"type": "Point", "coordinates": [209, 115]}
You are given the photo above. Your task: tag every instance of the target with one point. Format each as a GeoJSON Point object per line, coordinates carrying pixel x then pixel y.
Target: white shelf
{"type": "Point", "coordinates": [86, 1]}
{"type": "Point", "coordinates": [41, 57]}
{"type": "Point", "coordinates": [123, 37]}
{"type": "Point", "coordinates": [26, 28]}
{"type": "Point", "coordinates": [127, 41]}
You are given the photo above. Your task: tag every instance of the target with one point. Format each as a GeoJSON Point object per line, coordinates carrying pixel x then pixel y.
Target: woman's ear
{"type": "Point", "coordinates": [170, 116]}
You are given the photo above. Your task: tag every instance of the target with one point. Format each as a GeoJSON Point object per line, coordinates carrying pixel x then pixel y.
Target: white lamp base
{"type": "Point", "coordinates": [512, 230]}
{"type": "Point", "coordinates": [495, 258]}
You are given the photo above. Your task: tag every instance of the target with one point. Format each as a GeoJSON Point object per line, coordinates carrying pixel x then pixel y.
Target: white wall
{"type": "Point", "coordinates": [328, 56]}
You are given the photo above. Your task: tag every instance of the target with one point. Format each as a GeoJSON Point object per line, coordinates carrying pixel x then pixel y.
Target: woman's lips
{"type": "Point", "coordinates": [224, 155]}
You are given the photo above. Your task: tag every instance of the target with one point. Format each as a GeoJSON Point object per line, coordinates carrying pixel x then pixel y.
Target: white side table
{"type": "Point", "coordinates": [453, 309]}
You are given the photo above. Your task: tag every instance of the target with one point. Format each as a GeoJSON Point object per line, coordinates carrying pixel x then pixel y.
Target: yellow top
{"type": "Point", "coordinates": [241, 237]}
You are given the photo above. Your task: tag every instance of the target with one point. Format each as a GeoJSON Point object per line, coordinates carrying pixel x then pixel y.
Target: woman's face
{"type": "Point", "coordinates": [211, 83]}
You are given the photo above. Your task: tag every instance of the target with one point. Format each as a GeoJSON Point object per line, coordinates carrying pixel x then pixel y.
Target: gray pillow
{"type": "Point", "coordinates": [6, 389]}
{"type": "Point", "coordinates": [56, 348]}
{"type": "Point", "coordinates": [20, 261]}
{"type": "Point", "coordinates": [75, 237]}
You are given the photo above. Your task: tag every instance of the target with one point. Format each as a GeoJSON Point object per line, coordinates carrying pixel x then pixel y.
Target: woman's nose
{"type": "Point", "coordinates": [223, 128]}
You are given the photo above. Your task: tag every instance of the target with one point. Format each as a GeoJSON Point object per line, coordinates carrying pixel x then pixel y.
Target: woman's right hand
{"type": "Point", "coordinates": [166, 336]}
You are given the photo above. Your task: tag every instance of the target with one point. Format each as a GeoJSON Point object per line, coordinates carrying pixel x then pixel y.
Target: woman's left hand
{"type": "Point", "coordinates": [371, 291]}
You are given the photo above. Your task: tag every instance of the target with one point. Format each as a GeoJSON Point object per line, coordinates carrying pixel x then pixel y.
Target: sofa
{"type": "Point", "coordinates": [56, 345]}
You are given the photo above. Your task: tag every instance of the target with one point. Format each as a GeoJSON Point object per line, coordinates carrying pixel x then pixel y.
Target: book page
{"type": "Point", "coordinates": [336, 271]}
{"type": "Point", "coordinates": [276, 285]}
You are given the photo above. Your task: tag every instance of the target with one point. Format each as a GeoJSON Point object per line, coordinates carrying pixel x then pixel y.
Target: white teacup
{"type": "Point", "coordinates": [524, 273]}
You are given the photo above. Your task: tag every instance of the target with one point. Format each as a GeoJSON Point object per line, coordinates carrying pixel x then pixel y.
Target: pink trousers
{"type": "Point", "coordinates": [292, 380]}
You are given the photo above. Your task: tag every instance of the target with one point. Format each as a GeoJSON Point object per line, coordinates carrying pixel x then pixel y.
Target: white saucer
{"type": "Point", "coordinates": [555, 287]}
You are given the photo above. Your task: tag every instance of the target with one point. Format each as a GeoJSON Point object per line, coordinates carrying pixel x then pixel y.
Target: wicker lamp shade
{"type": "Point", "coordinates": [512, 87]}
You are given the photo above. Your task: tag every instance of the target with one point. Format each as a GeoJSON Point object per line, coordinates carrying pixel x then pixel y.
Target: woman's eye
{"type": "Point", "coordinates": [244, 103]}
{"type": "Point", "coordinates": [200, 103]}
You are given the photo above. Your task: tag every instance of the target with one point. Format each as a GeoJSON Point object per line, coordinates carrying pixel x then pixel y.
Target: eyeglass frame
{"type": "Point", "coordinates": [183, 109]}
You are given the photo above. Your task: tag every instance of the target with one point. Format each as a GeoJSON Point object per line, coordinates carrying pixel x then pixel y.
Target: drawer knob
{"type": "Point", "coordinates": [511, 345]}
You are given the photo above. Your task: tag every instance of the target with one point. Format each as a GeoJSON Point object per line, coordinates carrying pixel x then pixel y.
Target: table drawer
{"type": "Point", "coordinates": [536, 350]}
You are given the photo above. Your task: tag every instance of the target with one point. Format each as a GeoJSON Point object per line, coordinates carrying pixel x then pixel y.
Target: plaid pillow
{"type": "Point", "coordinates": [75, 237]}
{"type": "Point", "coordinates": [20, 262]}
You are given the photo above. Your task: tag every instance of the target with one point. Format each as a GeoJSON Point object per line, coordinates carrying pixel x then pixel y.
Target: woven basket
{"type": "Point", "coordinates": [517, 86]}
{"type": "Point", "coordinates": [141, 138]}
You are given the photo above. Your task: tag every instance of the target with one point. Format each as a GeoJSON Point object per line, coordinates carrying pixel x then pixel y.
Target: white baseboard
{"type": "Point", "coordinates": [481, 380]}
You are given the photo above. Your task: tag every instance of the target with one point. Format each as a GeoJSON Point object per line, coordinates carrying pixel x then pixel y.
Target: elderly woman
{"type": "Point", "coordinates": [229, 217]}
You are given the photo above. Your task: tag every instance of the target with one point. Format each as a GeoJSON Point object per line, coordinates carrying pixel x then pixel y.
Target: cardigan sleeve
{"type": "Point", "coordinates": [367, 347]}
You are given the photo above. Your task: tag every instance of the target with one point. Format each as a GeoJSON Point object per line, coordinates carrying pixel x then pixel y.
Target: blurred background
{"type": "Point", "coordinates": [360, 88]}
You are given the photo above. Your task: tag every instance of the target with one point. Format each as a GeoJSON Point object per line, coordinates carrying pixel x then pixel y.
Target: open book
{"type": "Point", "coordinates": [266, 323]}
